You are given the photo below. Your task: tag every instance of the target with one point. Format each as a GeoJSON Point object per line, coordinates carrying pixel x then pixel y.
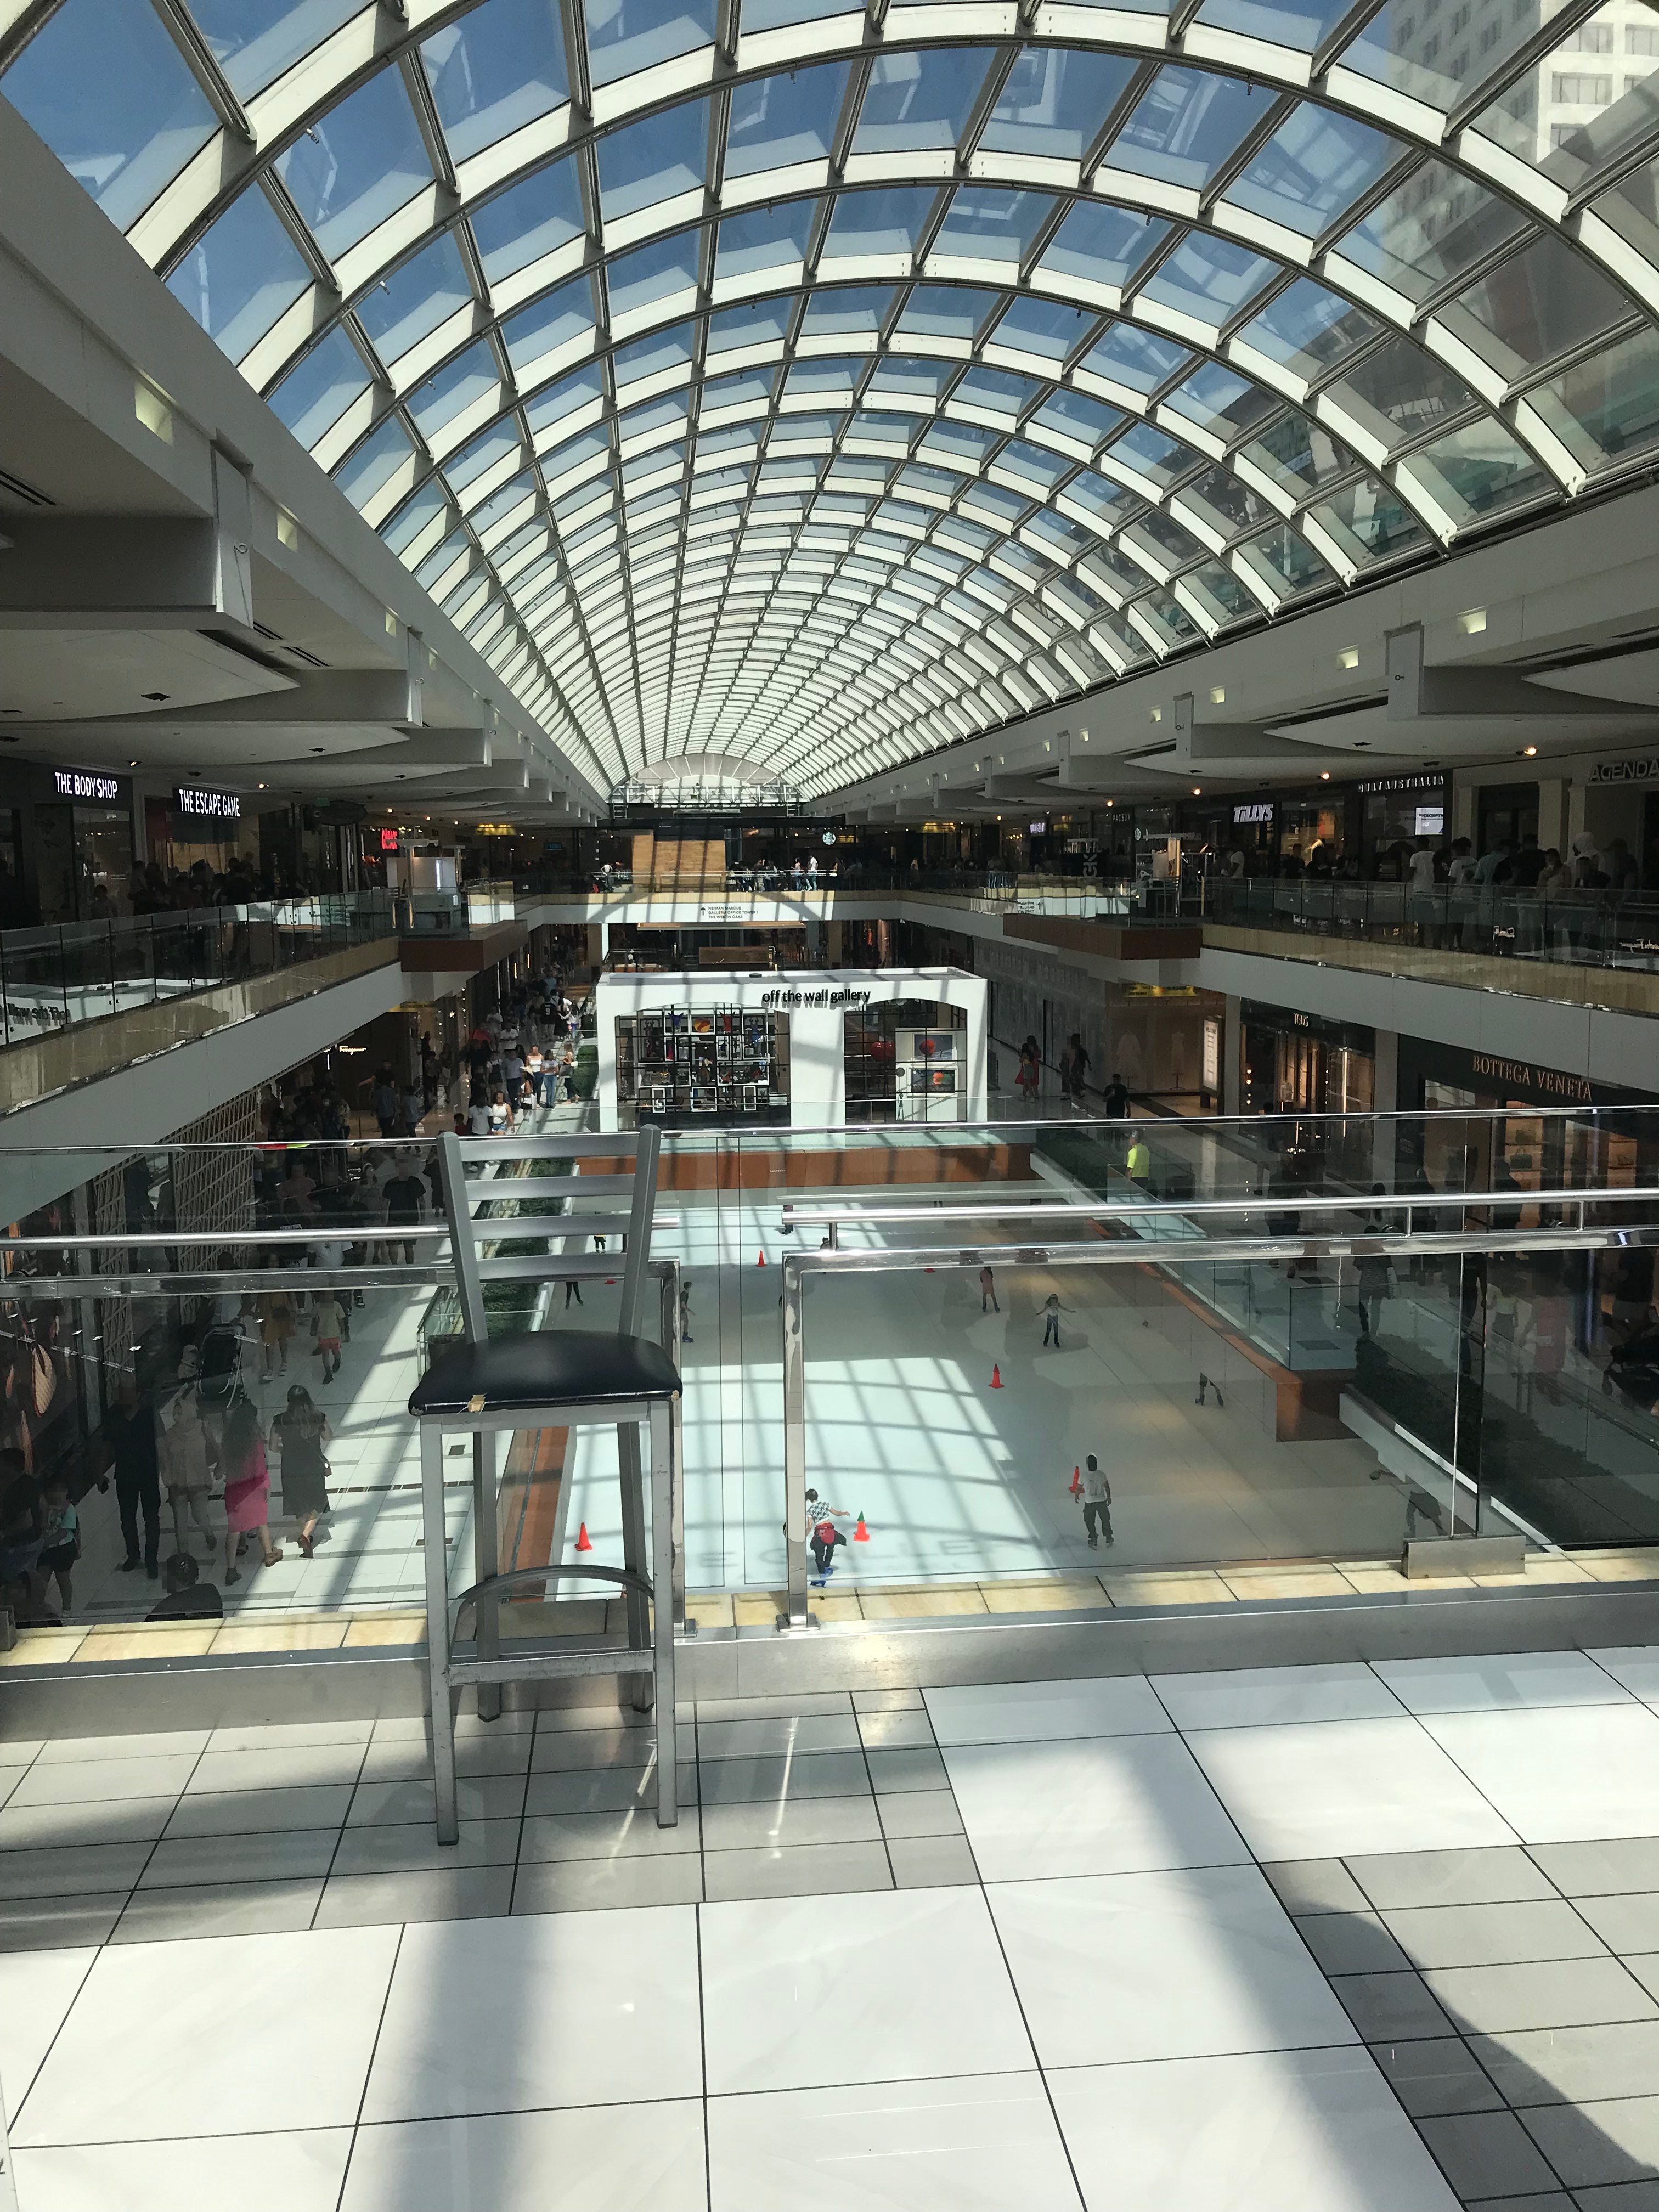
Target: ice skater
{"type": "Point", "coordinates": [686, 1336]}
{"type": "Point", "coordinates": [1052, 1311]}
{"type": "Point", "coordinates": [1096, 1502]}
{"type": "Point", "coordinates": [821, 1520]}
{"type": "Point", "coordinates": [988, 1291]}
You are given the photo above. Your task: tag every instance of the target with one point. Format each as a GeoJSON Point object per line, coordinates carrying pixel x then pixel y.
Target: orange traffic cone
{"type": "Point", "coordinates": [584, 1542]}
{"type": "Point", "coordinates": [861, 1535]}
{"type": "Point", "coordinates": [760, 1259]}
{"type": "Point", "coordinates": [1077, 1480]}
{"type": "Point", "coordinates": [996, 1377]}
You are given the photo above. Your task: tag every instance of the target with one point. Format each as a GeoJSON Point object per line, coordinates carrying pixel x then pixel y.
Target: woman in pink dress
{"type": "Point", "coordinates": [248, 1487]}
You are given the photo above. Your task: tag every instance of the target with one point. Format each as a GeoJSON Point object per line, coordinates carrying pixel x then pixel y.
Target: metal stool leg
{"type": "Point", "coordinates": [664, 1482]}
{"type": "Point", "coordinates": [437, 1629]}
{"type": "Point", "coordinates": [486, 1536]}
{"type": "Point", "coordinates": [633, 1522]}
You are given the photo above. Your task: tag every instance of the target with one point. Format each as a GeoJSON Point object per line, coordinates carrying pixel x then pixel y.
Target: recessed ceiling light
{"type": "Point", "coordinates": [1218, 695]}
{"type": "Point", "coordinates": [1197, 790]}
{"type": "Point", "coordinates": [1348, 657]}
{"type": "Point", "coordinates": [1472, 622]}
{"type": "Point", "coordinates": [1527, 751]}
{"type": "Point", "coordinates": [132, 763]}
{"type": "Point", "coordinates": [1324, 775]}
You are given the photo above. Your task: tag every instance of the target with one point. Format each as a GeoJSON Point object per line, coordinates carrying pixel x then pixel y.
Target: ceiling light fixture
{"type": "Point", "coordinates": [1349, 657]}
{"type": "Point", "coordinates": [1528, 752]}
{"type": "Point", "coordinates": [1218, 695]}
{"type": "Point", "coordinates": [1324, 775]}
{"type": "Point", "coordinates": [1472, 622]}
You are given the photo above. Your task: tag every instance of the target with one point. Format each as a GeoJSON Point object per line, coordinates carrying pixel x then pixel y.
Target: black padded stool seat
{"type": "Point", "coordinates": [544, 1370]}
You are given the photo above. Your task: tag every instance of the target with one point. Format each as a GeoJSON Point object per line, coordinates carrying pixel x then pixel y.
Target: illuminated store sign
{"type": "Point", "coordinates": [79, 783]}
{"type": "Point", "coordinates": [198, 806]}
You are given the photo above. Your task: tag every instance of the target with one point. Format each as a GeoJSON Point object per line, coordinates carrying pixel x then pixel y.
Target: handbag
{"type": "Point", "coordinates": [42, 1377]}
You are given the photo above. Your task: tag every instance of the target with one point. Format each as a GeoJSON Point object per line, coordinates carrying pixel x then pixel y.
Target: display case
{"type": "Point", "coordinates": [726, 1064]}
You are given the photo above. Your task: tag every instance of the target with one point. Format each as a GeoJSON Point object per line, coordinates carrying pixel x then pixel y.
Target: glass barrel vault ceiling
{"type": "Point", "coordinates": [824, 385]}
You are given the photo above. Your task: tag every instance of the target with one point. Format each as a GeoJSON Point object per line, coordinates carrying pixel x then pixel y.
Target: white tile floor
{"type": "Point", "coordinates": [1440, 1986]}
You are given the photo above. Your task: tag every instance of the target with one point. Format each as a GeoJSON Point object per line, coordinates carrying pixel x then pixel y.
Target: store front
{"type": "Point", "coordinates": [193, 824]}
{"type": "Point", "coordinates": [1297, 1063]}
{"type": "Point", "coordinates": [1505, 1131]}
{"type": "Point", "coordinates": [84, 848]}
{"type": "Point", "coordinates": [1399, 815]}
{"type": "Point", "coordinates": [809, 1048]}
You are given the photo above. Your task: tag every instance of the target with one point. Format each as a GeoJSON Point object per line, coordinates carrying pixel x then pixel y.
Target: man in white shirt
{"type": "Point", "coordinates": [1096, 1502]}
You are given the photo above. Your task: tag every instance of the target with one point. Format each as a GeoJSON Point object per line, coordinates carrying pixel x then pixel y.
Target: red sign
{"type": "Point", "coordinates": [388, 840]}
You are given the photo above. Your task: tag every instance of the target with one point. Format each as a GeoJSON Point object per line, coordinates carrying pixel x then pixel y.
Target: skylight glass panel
{"type": "Point", "coordinates": [1307, 329]}
{"type": "Point", "coordinates": [102, 83]}
{"type": "Point", "coordinates": [1219, 401]}
{"type": "Point", "coordinates": [1185, 124]}
{"type": "Point", "coordinates": [362, 162]}
{"type": "Point", "coordinates": [1543, 301]}
{"type": "Point", "coordinates": [559, 320]}
{"type": "Point", "coordinates": [624, 36]}
{"type": "Point", "coordinates": [1436, 57]}
{"type": "Point", "coordinates": [1316, 164]}
{"type": "Point", "coordinates": [411, 303]}
{"type": "Point", "coordinates": [372, 466]}
{"type": "Point", "coordinates": [996, 391]}
{"type": "Point", "coordinates": [958, 445]}
{"type": "Point", "coordinates": [561, 400]}
{"type": "Point", "coordinates": [1150, 452]}
{"type": "Point", "coordinates": [1371, 523]}
{"type": "Point", "coordinates": [319, 388]}
{"type": "Point", "coordinates": [240, 274]}
{"type": "Point", "coordinates": [1298, 453]}
{"type": "Point", "coordinates": [494, 71]}
{"type": "Point", "coordinates": [1134, 358]}
{"type": "Point", "coordinates": [881, 223]}
{"type": "Point", "coordinates": [919, 382]}
{"type": "Point", "coordinates": [984, 223]}
{"type": "Point", "coordinates": [256, 41]}
{"type": "Point", "coordinates": [1054, 102]}
{"type": "Point", "coordinates": [653, 161]}
{"type": "Point", "coordinates": [454, 389]}
{"type": "Point", "coordinates": [918, 99]}
{"type": "Point", "coordinates": [1423, 236]}
{"type": "Point", "coordinates": [736, 329]}
{"type": "Point", "coordinates": [842, 311]}
{"type": "Point", "coordinates": [946, 311]}
{"type": "Point", "coordinates": [1477, 472]}
{"type": "Point", "coordinates": [1102, 245]}
{"type": "Point", "coordinates": [817, 378]}
{"type": "Point", "coordinates": [1594, 111]}
{"type": "Point", "coordinates": [1228, 502]}
{"type": "Point", "coordinates": [1300, 27]}
{"type": "Point", "coordinates": [1034, 463]}
{"type": "Point", "coordinates": [662, 271]}
{"type": "Point", "coordinates": [533, 219]}
{"type": "Point", "coordinates": [1209, 279]}
{"type": "Point", "coordinates": [483, 454]}
{"type": "Point", "coordinates": [784, 119]}
{"type": "Point", "coordinates": [652, 356]}
{"type": "Point", "coordinates": [759, 240]}
{"type": "Point", "coordinates": [415, 516]}
{"type": "Point", "coordinates": [1045, 328]}
{"type": "Point", "coordinates": [1077, 418]}
{"type": "Point", "coordinates": [1403, 391]}
{"type": "Point", "coordinates": [752, 388]}
{"type": "Point", "coordinates": [1606, 410]}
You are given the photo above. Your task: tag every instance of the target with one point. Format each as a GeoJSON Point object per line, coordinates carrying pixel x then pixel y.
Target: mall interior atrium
{"type": "Point", "coordinates": [683, 682]}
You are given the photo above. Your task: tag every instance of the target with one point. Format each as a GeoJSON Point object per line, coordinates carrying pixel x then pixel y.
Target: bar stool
{"type": "Point", "coordinates": [547, 1378]}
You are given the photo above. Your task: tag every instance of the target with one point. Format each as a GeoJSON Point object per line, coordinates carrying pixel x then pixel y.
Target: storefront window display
{"type": "Point", "coordinates": [84, 847]}
{"type": "Point", "coordinates": [1296, 1064]}
{"type": "Point", "coordinates": [717, 1065]}
{"type": "Point", "coordinates": [1399, 816]}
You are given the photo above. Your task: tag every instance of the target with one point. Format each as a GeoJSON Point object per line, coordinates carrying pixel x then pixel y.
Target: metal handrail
{"type": "Point", "coordinates": [1262, 1202]}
